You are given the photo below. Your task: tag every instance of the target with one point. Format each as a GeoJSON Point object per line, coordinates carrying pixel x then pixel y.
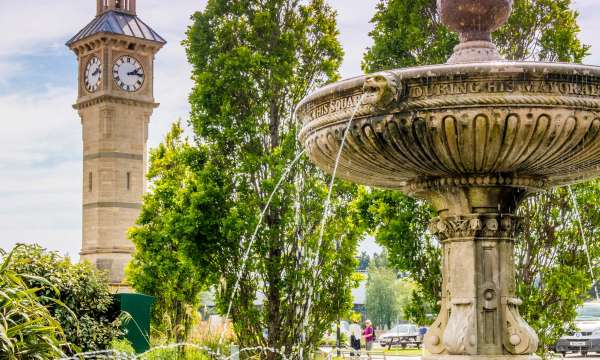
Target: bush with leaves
{"type": "Point", "coordinates": [86, 311]}
{"type": "Point", "coordinates": [27, 329]}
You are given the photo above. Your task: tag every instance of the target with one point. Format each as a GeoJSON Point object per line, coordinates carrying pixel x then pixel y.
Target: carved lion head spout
{"type": "Point", "coordinates": [382, 90]}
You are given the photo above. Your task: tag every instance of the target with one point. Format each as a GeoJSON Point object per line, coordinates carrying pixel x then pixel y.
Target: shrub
{"type": "Point", "coordinates": [89, 324]}
{"type": "Point", "coordinates": [27, 329]}
{"type": "Point", "coordinates": [176, 353]}
{"type": "Point", "coordinates": [122, 346]}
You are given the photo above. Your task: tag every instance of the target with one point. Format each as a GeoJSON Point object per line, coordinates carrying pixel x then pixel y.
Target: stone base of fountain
{"type": "Point", "coordinates": [480, 357]}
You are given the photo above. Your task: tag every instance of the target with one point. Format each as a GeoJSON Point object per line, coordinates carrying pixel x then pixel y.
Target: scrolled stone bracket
{"type": "Point", "coordinates": [480, 226]}
{"type": "Point", "coordinates": [460, 336]}
{"type": "Point", "coordinates": [518, 338]}
{"type": "Point", "coordinates": [434, 338]}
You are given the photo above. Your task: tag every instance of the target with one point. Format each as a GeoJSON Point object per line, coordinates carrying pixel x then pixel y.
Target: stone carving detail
{"type": "Point", "coordinates": [434, 338]}
{"type": "Point", "coordinates": [382, 90]}
{"type": "Point", "coordinates": [459, 336]}
{"type": "Point", "coordinates": [474, 20]}
{"type": "Point", "coordinates": [480, 225]}
{"type": "Point", "coordinates": [519, 338]}
{"type": "Point", "coordinates": [463, 146]}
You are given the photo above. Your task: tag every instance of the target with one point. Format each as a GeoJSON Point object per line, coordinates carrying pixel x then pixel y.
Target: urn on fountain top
{"type": "Point", "coordinates": [474, 21]}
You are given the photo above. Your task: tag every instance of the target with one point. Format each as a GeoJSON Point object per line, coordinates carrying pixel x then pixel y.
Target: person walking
{"type": "Point", "coordinates": [355, 335]}
{"type": "Point", "coordinates": [369, 335]}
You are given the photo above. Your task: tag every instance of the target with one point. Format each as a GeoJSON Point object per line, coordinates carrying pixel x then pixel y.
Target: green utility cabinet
{"type": "Point", "coordinates": [138, 327]}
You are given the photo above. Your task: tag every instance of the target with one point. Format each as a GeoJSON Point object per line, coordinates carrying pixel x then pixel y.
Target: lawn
{"type": "Point", "coordinates": [404, 352]}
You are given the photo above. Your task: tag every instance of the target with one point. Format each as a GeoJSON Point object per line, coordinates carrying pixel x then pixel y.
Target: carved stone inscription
{"type": "Point", "coordinates": [425, 89]}
{"type": "Point", "coordinates": [333, 106]}
{"type": "Point", "coordinates": [417, 91]}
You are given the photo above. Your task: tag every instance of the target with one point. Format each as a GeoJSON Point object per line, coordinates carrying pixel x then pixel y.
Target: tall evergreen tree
{"type": "Point", "coordinates": [253, 61]}
{"type": "Point", "coordinates": [409, 33]}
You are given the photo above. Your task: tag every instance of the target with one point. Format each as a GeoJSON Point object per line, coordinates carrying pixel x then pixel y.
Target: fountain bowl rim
{"type": "Point", "coordinates": [502, 67]}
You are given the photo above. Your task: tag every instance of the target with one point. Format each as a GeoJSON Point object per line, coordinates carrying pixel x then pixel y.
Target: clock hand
{"type": "Point", "coordinates": [134, 73]}
{"type": "Point", "coordinates": [96, 72]}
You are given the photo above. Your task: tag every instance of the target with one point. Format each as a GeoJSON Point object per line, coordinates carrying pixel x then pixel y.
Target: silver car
{"type": "Point", "coordinates": [587, 337]}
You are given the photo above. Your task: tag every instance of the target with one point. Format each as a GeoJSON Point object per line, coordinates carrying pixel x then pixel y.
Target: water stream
{"type": "Point", "coordinates": [584, 238]}
{"type": "Point", "coordinates": [253, 238]}
{"type": "Point", "coordinates": [326, 213]}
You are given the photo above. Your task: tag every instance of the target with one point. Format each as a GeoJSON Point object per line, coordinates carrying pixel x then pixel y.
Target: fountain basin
{"type": "Point", "coordinates": [524, 124]}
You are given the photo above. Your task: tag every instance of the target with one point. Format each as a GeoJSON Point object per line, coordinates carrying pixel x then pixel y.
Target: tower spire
{"type": "Point", "coordinates": [127, 6]}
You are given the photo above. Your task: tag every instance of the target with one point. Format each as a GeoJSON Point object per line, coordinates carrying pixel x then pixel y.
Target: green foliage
{"type": "Point", "coordinates": [252, 62]}
{"type": "Point", "coordinates": [552, 266]}
{"type": "Point", "coordinates": [27, 329]}
{"type": "Point", "coordinates": [122, 346]}
{"type": "Point", "coordinates": [387, 296]}
{"type": "Point", "coordinates": [542, 30]}
{"type": "Point", "coordinates": [409, 33]}
{"type": "Point", "coordinates": [177, 214]}
{"type": "Point", "coordinates": [85, 311]}
{"type": "Point", "coordinates": [382, 307]}
{"type": "Point", "coordinates": [400, 225]}
{"type": "Point", "coordinates": [551, 274]}
{"type": "Point", "coordinates": [176, 354]}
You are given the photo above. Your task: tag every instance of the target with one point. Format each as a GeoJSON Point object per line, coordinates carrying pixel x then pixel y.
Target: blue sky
{"type": "Point", "coordinates": [40, 140]}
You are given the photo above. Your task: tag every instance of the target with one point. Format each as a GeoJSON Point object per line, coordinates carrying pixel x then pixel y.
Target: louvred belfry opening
{"type": "Point", "coordinates": [118, 5]}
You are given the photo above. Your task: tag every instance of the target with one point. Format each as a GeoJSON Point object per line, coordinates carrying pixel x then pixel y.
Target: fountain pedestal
{"type": "Point", "coordinates": [479, 314]}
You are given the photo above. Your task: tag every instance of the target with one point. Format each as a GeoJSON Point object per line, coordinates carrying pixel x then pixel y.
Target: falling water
{"type": "Point", "coordinates": [315, 259]}
{"type": "Point", "coordinates": [585, 241]}
{"type": "Point", "coordinates": [253, 238]}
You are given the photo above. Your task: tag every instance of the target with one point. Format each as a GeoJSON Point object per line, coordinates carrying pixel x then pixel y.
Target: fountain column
{"type": "Point", "coordinates": [479, 315]}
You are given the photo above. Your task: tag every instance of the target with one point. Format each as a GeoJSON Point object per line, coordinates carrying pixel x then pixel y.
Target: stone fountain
{"type": "Point", "coordinates": [475, 137]}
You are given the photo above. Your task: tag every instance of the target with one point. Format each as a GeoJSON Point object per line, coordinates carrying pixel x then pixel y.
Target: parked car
{"type": "Point", "coordinates": [587, 337]}
{"type": "Point", "coordinates": [403, 335]}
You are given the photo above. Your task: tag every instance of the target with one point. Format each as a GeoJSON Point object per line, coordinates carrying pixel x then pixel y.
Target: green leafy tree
{"type": "Point", "coordinates": [27, 328]}
{"type": "Point", "coordinates": [252, 62]}
{"type": "Point", "coordinates": [387, 296]}
{"type": "Point", "coordinates": [172, 219]}
{"type": "Point", "coordinates": [552, 265]}
{"type": "Point", "coordinates": [410, 33]}
{"type": "Point", "coordinates": [85, 304]}
{"type": "Point", "coordinates": [382, 303]}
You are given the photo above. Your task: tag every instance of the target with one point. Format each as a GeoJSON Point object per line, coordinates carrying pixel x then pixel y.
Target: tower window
{"type": "Point", "coordinates": [128, 181]}
{"type": "Point", "coordinates": [90, 181]}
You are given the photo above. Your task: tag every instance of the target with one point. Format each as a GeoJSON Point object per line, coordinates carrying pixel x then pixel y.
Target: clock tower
{"type": "Point", "coordinates": [115, 100]}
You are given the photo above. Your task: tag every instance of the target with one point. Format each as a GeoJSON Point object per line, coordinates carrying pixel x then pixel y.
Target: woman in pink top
{"type": "Point", "coordinates": [369, 335]}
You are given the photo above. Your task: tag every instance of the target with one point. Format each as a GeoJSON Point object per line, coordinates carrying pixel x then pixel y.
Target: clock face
{"type": "Point", "coordinates": [93, 74]}
{"type": "Point", "coordinates": [128, 73]}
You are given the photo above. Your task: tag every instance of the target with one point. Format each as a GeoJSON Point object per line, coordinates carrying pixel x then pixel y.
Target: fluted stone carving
{"type": "Point", "coordinates": [475, 139]}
